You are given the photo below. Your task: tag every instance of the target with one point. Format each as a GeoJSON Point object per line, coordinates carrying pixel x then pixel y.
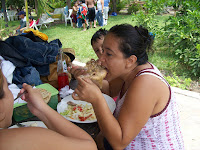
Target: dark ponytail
{"type": "Point", "coordinates": [133, 41]}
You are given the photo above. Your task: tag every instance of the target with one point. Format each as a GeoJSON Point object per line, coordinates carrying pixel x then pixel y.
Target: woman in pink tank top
{"type": "Point", "coordinates": [146, 116]}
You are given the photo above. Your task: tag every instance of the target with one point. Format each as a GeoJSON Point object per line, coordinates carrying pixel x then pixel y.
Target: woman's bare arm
{"type": "Point", "coordinates": [33, 138]}
{"type": "Point", "coordinates": [139, 104]}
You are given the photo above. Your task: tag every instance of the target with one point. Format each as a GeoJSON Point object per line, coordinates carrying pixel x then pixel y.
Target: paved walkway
{"type": "Point", "coordinates": [189, 106]}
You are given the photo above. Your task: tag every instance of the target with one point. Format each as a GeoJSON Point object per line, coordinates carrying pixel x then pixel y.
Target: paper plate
{"type": "Point", "coordinates": [31, 124]}
{"type": "Point", "coordinates": [62, 106]}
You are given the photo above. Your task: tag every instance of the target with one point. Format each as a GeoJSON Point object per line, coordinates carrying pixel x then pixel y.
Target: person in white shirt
{"type": "Point", "coordinates": [105, 11]}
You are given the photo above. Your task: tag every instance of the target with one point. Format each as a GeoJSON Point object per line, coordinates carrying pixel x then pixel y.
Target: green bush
{"type": "Point", "coordinates": [133, 8]}
{"type": "Point", "coordinates": [121, 5]}
{"type": "Point", "coordinates": [59, 4]}
{"type": "Point", "coordinates": [5, 32]}
{"type": "Point", "coordinates": [180, 82]}
{"type": "Point", "coordinates": [182, 32]}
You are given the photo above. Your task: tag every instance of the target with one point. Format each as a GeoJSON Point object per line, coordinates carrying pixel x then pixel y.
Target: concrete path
{"type": "Point", "coordinates": [189, 106]}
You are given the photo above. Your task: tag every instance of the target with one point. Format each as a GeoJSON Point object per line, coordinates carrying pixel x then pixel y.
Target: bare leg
{"type": "Point", "coordinates": [95, 23]}
{"type": "Point", "coordinates": [106, 21]}
{"type": "Point", "coordinates": [84, 29]}
{"type": "Point", "coordinates": [87, 23]}
{"type": "Point", "coordinates": [74, 25]}
{"type": "Point", "coordinates": [91, 24]}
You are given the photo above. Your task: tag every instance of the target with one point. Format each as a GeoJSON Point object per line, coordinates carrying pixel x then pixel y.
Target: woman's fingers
{"type": "Point", "coordinates": [81, 82]}
{"type": "Point", "coordinates": [27, 88]}
{"type": "Point", "coordinates": [87, 80]}
{"type": "Point", "coordinates": [77, 93]}
{"type": "Point", "coordinates": [75, 96]}
{"type": "Point", "coordinates": [77, 71]}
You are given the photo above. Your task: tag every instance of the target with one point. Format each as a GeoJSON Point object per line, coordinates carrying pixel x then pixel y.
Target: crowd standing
{"type": "Point", "coordinates": [87, 13]}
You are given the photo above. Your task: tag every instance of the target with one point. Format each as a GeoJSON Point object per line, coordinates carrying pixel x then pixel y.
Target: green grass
{"type": "Point", "coordinates": [79, 40]}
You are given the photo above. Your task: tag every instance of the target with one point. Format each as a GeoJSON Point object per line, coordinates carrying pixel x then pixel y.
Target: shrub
{"type": "Point", "coordinates": [133, 8]}
{"type": "Point", "coordinates": [180, 82]}
{"type": "Point", "coordinates": [182, 33]}
{"type": "Point", "coordinates": [121, 5]}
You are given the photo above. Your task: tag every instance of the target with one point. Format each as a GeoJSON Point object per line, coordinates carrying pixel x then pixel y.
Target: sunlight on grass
{"type": "Point", "coordinates": [80, 40]}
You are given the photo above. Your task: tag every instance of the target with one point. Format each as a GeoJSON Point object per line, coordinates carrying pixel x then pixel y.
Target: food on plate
{"type": "Point", "coordinates": [45, 94]}
{"type": "Point", "coordinates": [33, 124]}
{"type": "Point", "coordinates": [79, 112]}
{"type": "Point", "coordinates": [95, 72]}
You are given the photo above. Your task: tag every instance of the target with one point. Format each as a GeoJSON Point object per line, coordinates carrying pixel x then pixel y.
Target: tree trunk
{"type": "Point", "coordinates": [26, 7]}
{"type": "Point", "coordinates": [114, 6]}
{"type": "Point", "coordinates": [3, 2]}
{"type": "Point", "coordinates": [36, 6]}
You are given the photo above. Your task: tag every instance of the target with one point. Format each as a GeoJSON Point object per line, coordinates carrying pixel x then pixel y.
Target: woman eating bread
{"type": "Point", "coordinates": [146, 116]}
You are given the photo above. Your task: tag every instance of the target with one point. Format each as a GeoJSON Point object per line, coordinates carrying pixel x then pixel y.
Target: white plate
{"type": "Point", "coordinates": [62, 106]}
{"type": "Point", "coordinates": [29, 123]}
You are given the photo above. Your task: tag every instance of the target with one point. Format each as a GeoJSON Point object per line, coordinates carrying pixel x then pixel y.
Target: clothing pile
{"type": "Point", "coordinates": [32, 57]}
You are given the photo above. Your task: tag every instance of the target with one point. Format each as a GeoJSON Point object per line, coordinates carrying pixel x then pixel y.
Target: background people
{"type": "Point", "coordinates": [82, 13]}
{"type": "Point", "coordinates": [22, 22]}
{"type": "Point", "coordinates": [105, 11]}
{"type": "Point", "coordinates": [74, 14]}
{"type": "Point", "coordinates": [91, 11]}
{"type": "Point", "coordinates": [30, 24]}
{"type": "Point", "coordinates": [99, 14]}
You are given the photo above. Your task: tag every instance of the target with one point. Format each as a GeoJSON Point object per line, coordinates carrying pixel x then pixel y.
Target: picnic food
{"type": "Point", "coordinates": [79, 112]}
{"type": "Point", "coordinates": [33, 124]}
{"type": "Point", "coordinates": [45, 94]}
{"type": "Point", "coordinates": [95, 72]}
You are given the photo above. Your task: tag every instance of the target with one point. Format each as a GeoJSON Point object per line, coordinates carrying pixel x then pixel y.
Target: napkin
{"type": "Point", "coordinates": [65, 91]}
{"type": "Point", "coordinates": [15, 91]}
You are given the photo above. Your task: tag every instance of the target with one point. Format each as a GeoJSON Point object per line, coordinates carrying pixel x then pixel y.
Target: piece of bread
{"type": "Point", "coordinates": [45, 94]}
{"type": "Point", "coordinates": [95, 72]}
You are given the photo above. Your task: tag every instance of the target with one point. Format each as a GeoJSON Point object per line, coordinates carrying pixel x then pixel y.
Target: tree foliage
{"type": "Point", "coordinates": [181, 32]}
{"type": "Point", "coordinates": [19, 4]}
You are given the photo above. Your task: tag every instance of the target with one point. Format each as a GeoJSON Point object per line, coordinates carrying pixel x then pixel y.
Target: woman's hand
{"type": "Point", "coordinates": [86, 90]}
{"type": "Point", "coordinates": [34, 99]}
{"type": "Point", "coordinates": [77, 71]}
